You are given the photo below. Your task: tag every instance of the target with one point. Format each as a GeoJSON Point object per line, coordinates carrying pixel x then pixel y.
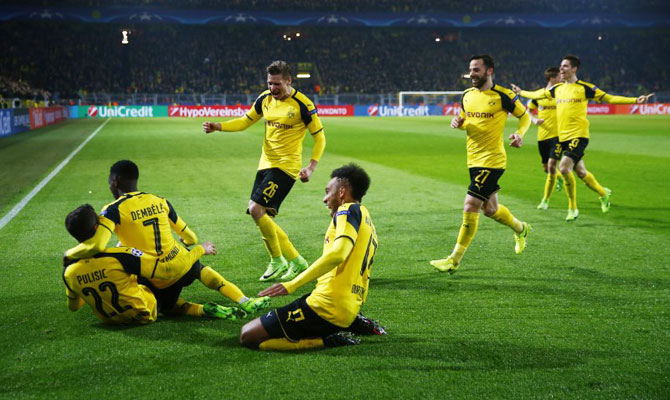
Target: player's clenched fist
{"type": "Point", "coordinates": [456, 122]}
{"type": "Point", "coordinates": [208, 127]}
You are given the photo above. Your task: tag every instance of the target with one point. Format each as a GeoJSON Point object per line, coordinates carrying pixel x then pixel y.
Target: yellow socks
{"type": "Point", "coordinates": [505, 217]}
{"type": "Point", "coordinates": [571, 190]}
{"type": "Point", "coordinates": [287, 249]}
{"type": "Point", "coordinates": [549, 185]}
{"type": "Point", "coordinates": [284, 344]}
{"type": "Point", "coordinates": [267, 227]}
{"type": "Point", "coordinates": [215, 281]}
{"type": "Point", "coordinates": [184, 307]}
{"type": "Point", "coordinates": [593, 184]}
{"type": "Point", "coordinates": [465, 235]}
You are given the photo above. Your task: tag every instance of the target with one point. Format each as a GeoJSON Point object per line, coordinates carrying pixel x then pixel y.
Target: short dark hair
{"type": "Point", "coordinates": [551, 72]}
{"type": "Point", "coordinates": [487, 59]}
{"type": "Point", "coordinates": [80, 223]}
{"type": "Point", "coordinates": [279, 67]}
{"type": "Point", "coordinates": [356, 177]}
{"type": "Point", "coordinates": [574, 60]}
{"type": "Point", "coordinates": [126, 170]}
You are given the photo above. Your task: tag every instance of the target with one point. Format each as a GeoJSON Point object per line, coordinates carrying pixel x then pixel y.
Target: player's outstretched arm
{"type": "Point", "coordinates": [95, 244]}
{"type": "Point", "coordinates": [186, 235]}
{"type": "Point", "coordinates": [234, 125]}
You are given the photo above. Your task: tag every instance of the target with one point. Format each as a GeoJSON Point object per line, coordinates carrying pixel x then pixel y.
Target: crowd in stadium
{"type": "Point", "coordinates": [460, 6]}
{"type": "Point", "coordinates": [231, 59]}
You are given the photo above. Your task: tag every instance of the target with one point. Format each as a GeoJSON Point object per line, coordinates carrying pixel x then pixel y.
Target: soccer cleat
{"type": "Point", "coordinates": [274, 269]}
{"type": "Point", "coordinates": [605, 201]}
{"type": "Point", "coordinates": [559, 183]}
{"type": "Point", "coordinates": [366, 326]}
{"type": "Point", "coordinates": [445, 265]}
{"type": "Point", "coordinates": [341, 338]}
{"type": "Point", "coordinates": [214, 310]}
{"type": "Point", "coordinates": [572, 215]}
{"type": "Point", "coordinates": [295, 267]}
{"type": "Point", "coordinates": [544, 204]}
{"type": "Point", "coordinates": [254, 304]}
{"type": "Point", "coordinates": [520, 238]}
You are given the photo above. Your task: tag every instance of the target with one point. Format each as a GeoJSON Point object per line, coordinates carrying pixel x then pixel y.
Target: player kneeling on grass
{"type": "Point", "coordinates": [108, 280]}
{"type": "Point", "coordinates": [329, 315]}
{"type": "Point", "coordinates": [146, 222]}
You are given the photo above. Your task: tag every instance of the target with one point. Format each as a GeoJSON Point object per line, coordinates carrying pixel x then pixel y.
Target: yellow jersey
{"type": "Point", "coordinates": [572, 101]}
{"type": "Point", "coordinates": [340, 293]}
{"type": "Point", "coordinates": [546, 110]}
{"type": "Point", "coordinates": [146, 222]}
{"type": "Point", "coordinates": [108, 283]}
{"type": "Point", "coordinates": [285, 124]}
{"type": "Point", "coordinates": [485, 113]}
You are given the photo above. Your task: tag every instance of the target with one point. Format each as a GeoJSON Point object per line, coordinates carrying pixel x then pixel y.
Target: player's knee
{"type": "Point", "coordinates": [247, 337]}
{"type": "Point", "coordinates": [489, 211]}
{"type": "Point", "coordinates": [546, 168]}
{"type": "Point", "coordinates": [256, 210]}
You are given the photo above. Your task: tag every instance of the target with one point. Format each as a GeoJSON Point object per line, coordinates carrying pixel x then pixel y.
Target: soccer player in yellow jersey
{"type": "Point", "coordinates": [484, 109]}
{"type": "Point", "coordinates": [145, 221]}
{"type": "Point", "coordinates": [108, 281]}
{"type": "Point", "coordinates": [328, 315]}
{"type": "Point", "coordinates": [547, 137]}
{"type": "Point", "coordinates": [288, 113]}
{"type": "Point", "coordinates": [572, 97]}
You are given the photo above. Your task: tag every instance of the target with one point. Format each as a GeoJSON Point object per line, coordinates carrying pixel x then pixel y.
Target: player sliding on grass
{"type": "Point", "coordinates": [146, 222]}
{"type": "Point", "coordinates": [108, 280]}
{"type": "Point", "coordinates": [287, 114]}
{"type": "Point", "coordinates": [572, 97]}
{"type": "Point", "coordinates": [484, 109]}
{"type": "Point", "coordinates": [547, 138]}
{"type": "Point", "coordinates": [330, 313]}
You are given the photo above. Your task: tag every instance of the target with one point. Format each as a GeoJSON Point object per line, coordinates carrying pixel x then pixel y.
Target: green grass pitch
{"type": "Point", "coordinates": [583, 313]}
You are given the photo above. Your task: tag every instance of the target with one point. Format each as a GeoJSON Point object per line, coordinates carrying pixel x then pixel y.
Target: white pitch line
{"type": "Point", "coordinates": [19, 206]}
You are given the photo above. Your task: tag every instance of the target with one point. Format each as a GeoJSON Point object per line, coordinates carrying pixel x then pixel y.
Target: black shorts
{"type": "Point", "coordinates": [484, 182]}
{"type": "Point", "coordinates": [549, 148]}
{"type": "Point", "coordinates": [167, 297]}
{"type": "Point", "coordinates": [271, 188]}
{"type": "Point", "coordinates": [575, 148]}
{"type": "Point", "coordinates": [297, 321]}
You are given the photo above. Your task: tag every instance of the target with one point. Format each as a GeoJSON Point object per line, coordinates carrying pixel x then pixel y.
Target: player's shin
{"type": "Point", "coordinates": [593, 184]}
{"type": "Point", "coordinates": [465, 235]}
{"type": "Point", "coordinates": [284, 344]}
{"type": "Point", "coordinates": [287, 249]}
{"type": "Point", "coordinates": [571, 190]}
{"type": "Point", "coordinates": [215, 281]}
{"type": "Point", "coordinates": [504, 216]}
{"type": "Point", "coordinates": [269, 233]}
{"type": "Point", "coordinates": [549, 185]}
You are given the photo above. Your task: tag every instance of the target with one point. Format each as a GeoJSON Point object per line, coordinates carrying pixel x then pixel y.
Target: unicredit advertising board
{"type": "Point", "coordinates": [122, 111]}
{"type": "Point", "coordinates": [375, 110]}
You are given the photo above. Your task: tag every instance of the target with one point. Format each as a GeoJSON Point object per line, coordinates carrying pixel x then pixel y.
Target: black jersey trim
{"type": "Point", "coordinates": [130, 263]}
{"type": "Point", "coordinates": [304, 112]}
{"type": "Point", "coordinates": [346, 236]}
{"type": "Point", "coordinates": [258, 105]}
{"type": "Point", "coordinates": [507, 103]}
{"type": "Point", "coordinates": [317, 131]}
{"type": "Point", "coordinates": [173, 213]}
{"type": "Point", "coordinates": [589, 92]}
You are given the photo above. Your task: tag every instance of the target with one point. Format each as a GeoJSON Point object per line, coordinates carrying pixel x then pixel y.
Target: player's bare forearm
{"type": "Point", "coordinates": [275, 290]}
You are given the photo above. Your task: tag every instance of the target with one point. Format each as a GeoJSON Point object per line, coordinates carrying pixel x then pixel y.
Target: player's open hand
{"type": "Point", "coordinates": [275, 290]}
{"type": "Point", "coordinates": [457, 122]}
{"type": "Point", "coordinates": [645, 98]}
{"type": "Point", "coordinates": [515, 88]}
{"type": "Point", "coordinates": [208, 127]}
{"type": "Point", "coordinates": [539, 121]}
{"type": "Point", "coordinates": [516, 139]}
{"type": "Point", "coordinates": [209, 247]}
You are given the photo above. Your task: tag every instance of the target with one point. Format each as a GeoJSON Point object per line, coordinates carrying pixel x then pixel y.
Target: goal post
{"type": "Point", "coordinates": [405, 98]}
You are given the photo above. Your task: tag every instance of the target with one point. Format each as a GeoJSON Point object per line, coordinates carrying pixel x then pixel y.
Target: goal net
{"type": "Point", "coordinates": [449, 100]}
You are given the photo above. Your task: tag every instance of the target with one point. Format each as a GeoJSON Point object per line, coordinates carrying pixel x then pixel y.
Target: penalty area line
{"type": "Point", "coordinates": [19, 206]}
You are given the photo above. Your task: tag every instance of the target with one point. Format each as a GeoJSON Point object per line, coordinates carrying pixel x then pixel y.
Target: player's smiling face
{"type": "Point", "coordinates": [279, 87]}
{"type": "Point", "coordinates": [478, 73]}
{"type": "Point", "coordinates": [567, 70]}
{"type": "Point", "coordinates": [334, 195]}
